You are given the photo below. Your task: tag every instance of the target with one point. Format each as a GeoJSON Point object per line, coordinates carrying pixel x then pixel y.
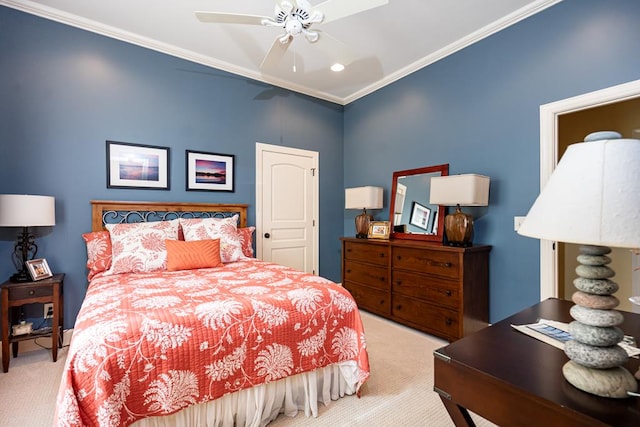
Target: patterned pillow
{"type": "Point", "coordinates": [139, 247]}
{"type": "Point", "coordinates": [225, 229]}
{"type": "Point", "coordinates": [191, 255]}
{"type": "Point", "coordinates": [245, 235]}
{"type": "Point", "coordinates": [98, 252]}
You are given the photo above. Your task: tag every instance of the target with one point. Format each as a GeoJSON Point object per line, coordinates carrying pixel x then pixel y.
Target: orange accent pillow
{"type": "Point", "coordinates": [194, 254]}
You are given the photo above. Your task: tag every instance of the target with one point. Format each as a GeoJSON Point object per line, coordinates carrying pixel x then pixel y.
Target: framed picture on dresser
{"type": "Point", "coordinates": [379, 230]}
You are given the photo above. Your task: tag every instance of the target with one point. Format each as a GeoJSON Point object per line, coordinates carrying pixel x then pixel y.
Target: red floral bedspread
{"type": "Point", "coordinates": [152, 344]}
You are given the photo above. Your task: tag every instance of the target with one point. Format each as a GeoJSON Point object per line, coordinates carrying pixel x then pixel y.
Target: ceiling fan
{"type": "Point", "coordinates": [297, 17]}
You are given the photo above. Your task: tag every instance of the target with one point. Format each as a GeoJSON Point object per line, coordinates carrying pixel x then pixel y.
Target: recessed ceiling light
{"type": "Point", "coordinates": [337, 67]}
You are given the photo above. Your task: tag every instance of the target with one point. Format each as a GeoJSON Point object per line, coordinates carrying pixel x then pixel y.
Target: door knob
{"type": "Point", "coordinates": [267, 235]}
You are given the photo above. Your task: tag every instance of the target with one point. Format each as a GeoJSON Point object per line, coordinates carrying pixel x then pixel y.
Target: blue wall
{"type": "Point", "coordinates": [65, 92]}
{"type": "Point", "coordinates": [478, 110]}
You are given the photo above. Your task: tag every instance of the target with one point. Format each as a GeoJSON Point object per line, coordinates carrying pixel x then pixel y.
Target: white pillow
{"type": "Point", "coordinates": [225, 229]}
{"type": "Point", "coordinates": [140, 247]}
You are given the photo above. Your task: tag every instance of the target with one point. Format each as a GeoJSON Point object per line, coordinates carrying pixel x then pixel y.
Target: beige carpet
{"type": "Point", "coordinates": [399, 392]}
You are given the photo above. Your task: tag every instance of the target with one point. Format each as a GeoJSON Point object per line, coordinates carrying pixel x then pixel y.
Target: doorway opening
{"type": "Point", "coordinates": [557, 129]}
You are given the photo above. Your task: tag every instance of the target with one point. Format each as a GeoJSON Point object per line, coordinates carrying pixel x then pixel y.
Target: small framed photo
{"type": "Point", "coordinates": [379, 230]}
{"type": "Point", "coordinates": [420, 215]}
{"type": "Point", "coordinates": [38, 269]}
{"type": "Point", "coordinates": [137, 166]}
{"type": "Point", "coordinates": [209, 171]}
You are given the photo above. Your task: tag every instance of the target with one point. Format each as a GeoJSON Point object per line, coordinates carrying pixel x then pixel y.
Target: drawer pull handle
{"type": "Point", "coordinates": [381, 254]}
{"type": "Point", "coordinates": [32, 292]}
{"type": "Point", "coordinates": [441, 264]}
{"type": "Point", "coordinates": [348, 270]}
{"type": "Point", "coordinates": [348, 250]}
{"type": "Point", "coordinates": [382, 279]}
{"type": "Point", "coordinates": [448, 293]}
{"type": "Point", "coordinates": [449, 321]}
{"type": "Point", "coordinates": [398, 307]}
{"type": "Point", "coordinates": [399, 282]}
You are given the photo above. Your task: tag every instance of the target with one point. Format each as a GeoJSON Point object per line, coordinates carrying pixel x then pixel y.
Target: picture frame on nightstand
{"type": "Point", "coordinates": [38, 269]}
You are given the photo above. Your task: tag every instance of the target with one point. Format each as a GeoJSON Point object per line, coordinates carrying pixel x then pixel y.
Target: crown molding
{"type": "Point", "coordinates": [136, 39]}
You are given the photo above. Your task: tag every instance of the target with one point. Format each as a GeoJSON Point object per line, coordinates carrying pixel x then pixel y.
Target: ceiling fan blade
{"type": "Point", "coordinates": [275, 54]}
{"type": "Point", "coordinates": [230, 18]}
{"type": "Point", "coordinates": [335, 49]}
{"type": "Point", "coordinates": [337, 9]}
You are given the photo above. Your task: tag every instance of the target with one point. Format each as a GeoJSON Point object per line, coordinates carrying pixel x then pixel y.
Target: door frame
{"type": "Point", "coordinates": [549, 159]}
{"type": "Point", "coordinates": [261, 148]}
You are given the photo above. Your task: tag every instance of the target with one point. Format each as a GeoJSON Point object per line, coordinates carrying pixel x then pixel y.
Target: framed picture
{"type": "Point", "coordinates": [379, 230]}
{"type": "Point", "coordinates": [38, 269]}
{"type": "Point", "coordinates": [209, 171]}
{"type": "Point", "coordinates": [137, 166]}
{"type": "Point", "coordinates": [420, 215]}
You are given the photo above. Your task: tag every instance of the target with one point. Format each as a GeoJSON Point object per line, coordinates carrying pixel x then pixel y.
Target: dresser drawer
{"type": "Point", "coordinates": [375, 254]}
{"type": "Point", "coordinates": [436, 290]}
{"type": "Point", "coordinates": [426, 317]}
{"type": "Point", "coordinates": [25, 292]}
{"type": "Point", "coordinates": [436, 262]}
{"type": "Point", "coordinates": [366, 274]}
{"type": "Point", "coordinates": [373, 300]}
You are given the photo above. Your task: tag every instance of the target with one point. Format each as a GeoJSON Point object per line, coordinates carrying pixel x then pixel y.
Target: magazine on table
{"type": "Point", "coordinates": [557, 333]}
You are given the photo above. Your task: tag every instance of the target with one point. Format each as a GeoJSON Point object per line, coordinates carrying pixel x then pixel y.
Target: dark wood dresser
{"type": "Point", "coordinates": [441, 290]}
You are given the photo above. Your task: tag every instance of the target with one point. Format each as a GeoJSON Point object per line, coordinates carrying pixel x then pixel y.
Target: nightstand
{"type": "Point", "coordinates": [16, 294]}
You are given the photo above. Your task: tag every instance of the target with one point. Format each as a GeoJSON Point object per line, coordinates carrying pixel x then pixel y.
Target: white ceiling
{"type": "Point", "coordinates": [389, 41]}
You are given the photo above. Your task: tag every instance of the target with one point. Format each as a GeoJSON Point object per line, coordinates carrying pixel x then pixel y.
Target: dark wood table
{"type": "Point", "coordinates": [512, 379]}
{"type": "Point", "coordinates": [16, 294]}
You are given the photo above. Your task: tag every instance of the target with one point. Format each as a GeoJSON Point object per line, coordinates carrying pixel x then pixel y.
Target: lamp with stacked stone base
{"type": "Point", "coordinates": [593, 199]}
{"type": "Point", "coordinates": [596, 364]}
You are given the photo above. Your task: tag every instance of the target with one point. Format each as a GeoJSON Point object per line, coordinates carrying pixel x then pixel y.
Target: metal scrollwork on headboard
{"type": "Point", "coordinates": [110, 212]}
{"type": "Point", "coordinates": [128, 217]}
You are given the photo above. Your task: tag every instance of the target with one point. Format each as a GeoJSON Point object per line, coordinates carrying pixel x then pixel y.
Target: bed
{"type": "Point", "coordinates": [207, 335]}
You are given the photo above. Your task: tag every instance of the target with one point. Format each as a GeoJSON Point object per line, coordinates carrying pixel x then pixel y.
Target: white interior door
{"type": "Point", "coordinates": [287, 206]}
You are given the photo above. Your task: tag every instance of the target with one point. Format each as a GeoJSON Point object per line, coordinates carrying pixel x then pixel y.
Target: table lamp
{"type": "Point", "coordinates": [593, 199]}
{"type": "Point", "coordinates": [459, 190]}
{"type": "Point", "coordinates": [363, 198]}
{"type": "Point", "coordinates": [21, 210]}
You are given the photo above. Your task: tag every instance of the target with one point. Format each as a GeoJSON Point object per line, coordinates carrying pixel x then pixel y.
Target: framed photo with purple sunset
{"type": "Point", "coordinates": [137, 166]}
{"type": "Point", "coordinates": [209, 171]}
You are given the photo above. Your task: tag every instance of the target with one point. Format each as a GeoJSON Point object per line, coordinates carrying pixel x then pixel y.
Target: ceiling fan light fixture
{"type": "Point", "coordinates": [285, 39]}
{"type": "Point", "coordinates": [311, 36]}
{"type": "Point", "coordinates": [296, 17]}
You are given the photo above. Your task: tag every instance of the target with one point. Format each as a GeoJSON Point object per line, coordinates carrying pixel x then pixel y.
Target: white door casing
{"type": "Point", "coordinates": [287, 194]}
{"type": "Point", "coordinates": [549, 159]}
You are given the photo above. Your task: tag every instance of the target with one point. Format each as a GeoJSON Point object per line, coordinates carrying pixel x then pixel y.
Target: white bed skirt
{"type": "Point", "coordinates": [260, 405]}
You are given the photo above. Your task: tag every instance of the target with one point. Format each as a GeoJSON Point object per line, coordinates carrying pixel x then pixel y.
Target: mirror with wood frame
{"type": "Point", "coordinates": [411, 215]}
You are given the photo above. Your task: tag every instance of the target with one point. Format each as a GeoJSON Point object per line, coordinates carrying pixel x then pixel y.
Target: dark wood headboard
{"type": "Point", "coordinates": [103, 211]}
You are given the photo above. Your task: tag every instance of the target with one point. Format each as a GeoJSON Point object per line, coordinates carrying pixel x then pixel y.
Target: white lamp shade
{"type": "Point", "coordinates": [363, 198]}
{"type": "Point", "coordinates": [21, 210]}
{"type": "Point", "coordinates": [464, 190]}
{"type": "Point", "coordinates": [592, 197]}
